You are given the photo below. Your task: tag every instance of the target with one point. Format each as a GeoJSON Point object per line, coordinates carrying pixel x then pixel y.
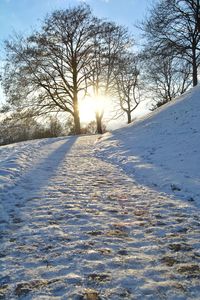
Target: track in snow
{"type": "Point", "coordinates": [82, 229]}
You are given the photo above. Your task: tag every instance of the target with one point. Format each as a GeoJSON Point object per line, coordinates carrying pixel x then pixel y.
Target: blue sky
{"type": "Point", "coordinates": [21, 15]}
{"type": "Point", "coordinates": [24, 15]}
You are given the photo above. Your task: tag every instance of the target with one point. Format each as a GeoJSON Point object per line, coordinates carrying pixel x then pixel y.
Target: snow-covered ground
{"type": "Point", "coordinates": [15, 162]}
{"type": "Point", "coordinates": [82, 220]}
{"type": "Point", "coordinates": [162, 151]}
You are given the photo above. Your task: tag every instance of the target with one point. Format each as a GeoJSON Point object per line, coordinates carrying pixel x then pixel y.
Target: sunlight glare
{"type": "Point", "coordinates": [89, 106]}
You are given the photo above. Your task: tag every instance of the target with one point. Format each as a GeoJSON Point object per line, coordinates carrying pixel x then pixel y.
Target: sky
{"type": "Point", "coordinates": [22, 16]}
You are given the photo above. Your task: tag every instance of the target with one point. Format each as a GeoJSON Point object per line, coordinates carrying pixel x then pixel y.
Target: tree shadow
{"type": "Point", "coordinates": [38, 176]}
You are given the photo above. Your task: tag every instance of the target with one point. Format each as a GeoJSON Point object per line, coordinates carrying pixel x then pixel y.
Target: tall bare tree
{"type": "Point", "coordinates": [174, 27]}
{"type": "Point", "coordinates": [127, 85]}
{"type": "Point", "coordinates": [110, 44]}
{"type": "Point", "coordinates": [49, 69]}
{"type": "Point", "coordinates": [166, 77]}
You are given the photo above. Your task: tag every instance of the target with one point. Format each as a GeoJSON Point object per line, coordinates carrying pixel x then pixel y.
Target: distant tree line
{"type": "Point", "coordinates": [75, 54]}
{"type": "Point", "coordinates": [19, 126]}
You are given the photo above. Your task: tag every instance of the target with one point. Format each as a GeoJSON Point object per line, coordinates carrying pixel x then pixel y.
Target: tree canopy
{"type": "Point", "coordinates": [53, 68]}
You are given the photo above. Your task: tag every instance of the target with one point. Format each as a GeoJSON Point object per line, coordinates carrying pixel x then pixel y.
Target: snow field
{"type": "Point", "coordinates": [78, 227]}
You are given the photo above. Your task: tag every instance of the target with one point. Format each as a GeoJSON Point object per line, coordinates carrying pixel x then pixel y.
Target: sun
{"type": "Point", "coordinates": [89, 106]}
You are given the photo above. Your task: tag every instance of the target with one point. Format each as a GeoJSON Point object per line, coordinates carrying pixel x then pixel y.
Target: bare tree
{"type": "Point", "coordinates": [110, 44]}
{"type": "Point", "coordinates": [166, 77]}
{"type": "Point", "coordinates": [127, 85]}
{"type": "Point", "coordinates": [173, 27]}
{"type": "Point", "coordinates": [49, 69]}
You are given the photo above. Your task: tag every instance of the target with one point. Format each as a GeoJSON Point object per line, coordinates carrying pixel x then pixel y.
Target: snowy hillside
{"type": "Point", "coordinates": [75, 226]}
{"type": "Point", "coordinates": [162, 150]}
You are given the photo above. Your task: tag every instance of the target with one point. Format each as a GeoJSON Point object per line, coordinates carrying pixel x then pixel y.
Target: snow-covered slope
{"type": "Point", "coordinates": [73, 226]}
{"type": "Point", "coordinates": [163, 149]}
{"type": "Point", "coordinates": [15, 162]}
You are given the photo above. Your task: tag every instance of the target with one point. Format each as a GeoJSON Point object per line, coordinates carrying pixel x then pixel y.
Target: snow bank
{"type": "Point", "coordinates": [162, 149]}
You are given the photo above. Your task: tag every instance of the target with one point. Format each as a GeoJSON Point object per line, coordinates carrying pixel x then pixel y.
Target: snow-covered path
{"type": "Point", "coordinates": [80, 228]}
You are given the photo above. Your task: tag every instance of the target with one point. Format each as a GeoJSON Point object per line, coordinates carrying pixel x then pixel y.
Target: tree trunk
{"type": "Point", "coordinates": [194, 74]}
{"type": "Point", "coordinates": [129, 117]}
{"type": "Point", "coordinates": [194, 67]}
{"type": "Point", "coordinates": [77, 124]}
{"type": "Point", "coordinates": [99, 122]}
